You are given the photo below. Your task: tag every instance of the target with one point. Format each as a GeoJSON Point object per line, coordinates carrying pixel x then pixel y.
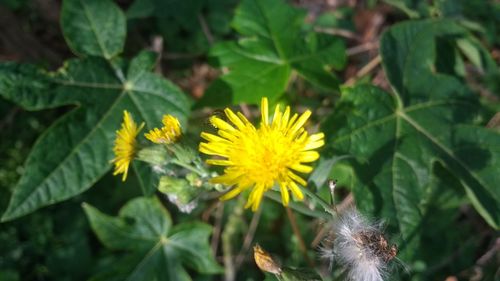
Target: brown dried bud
{"type": "Point", "coordinates": [265, 261]}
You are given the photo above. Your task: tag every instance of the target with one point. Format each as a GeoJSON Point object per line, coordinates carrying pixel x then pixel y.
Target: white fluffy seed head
{"type": "Point", "coordinates": [355, 245]}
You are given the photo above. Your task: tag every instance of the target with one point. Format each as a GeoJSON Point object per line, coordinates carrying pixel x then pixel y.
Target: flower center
{"type": "Point", "coordinates": [265, 156]}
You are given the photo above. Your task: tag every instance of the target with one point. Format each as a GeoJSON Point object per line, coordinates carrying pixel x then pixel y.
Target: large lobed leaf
{"type": "Point", "coordinates": [400, 140]}
{"type": "Point", "coordinates": [77, 149]}
{"type": "Point", "coordinates": [144, 229]}
{"type": "Point", "coordinates": [273, 43]}
{"type": "Point", "coordinates": [93, 27]}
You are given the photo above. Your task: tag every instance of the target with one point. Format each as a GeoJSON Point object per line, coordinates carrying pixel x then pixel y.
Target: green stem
{"type": "Point", "coordinates": [189, 167]}
{"type": "Point", "coordinates": [301, 208]}
{"type": "Point", "coordinates": [327, 207]}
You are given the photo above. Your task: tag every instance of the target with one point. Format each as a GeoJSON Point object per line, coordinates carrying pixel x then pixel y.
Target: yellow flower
{"type": "Point", "coordinates": [125, 145]}
{"type": "Point", "coordinates": [169, 133]}
{"type": "Point", "coordinates": [260, 158]}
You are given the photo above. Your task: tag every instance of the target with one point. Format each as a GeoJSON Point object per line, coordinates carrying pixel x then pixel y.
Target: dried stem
{"type": "Point", "coordinates": [339, 32]}
{"type": "Point", "coordinates": [368, 46]}
{"type": "Point", "coordinates": [157, 47]}
{"type": "Point", "coordinates": [365, 70]}
{"type": "Point", "coordinates": [494, 121]}
{"type": "Point", "coordinates": [206, 30]}
{"type": "Point", "coordinates": [247, 241]}
{"type": "Point", "coordinates": [296, 231]}
{"type": "Point", "coordinates": [246, 111]}
{"type": "Point", "coordinates": [230, 230]}
{"type": "Point", "coordinates": [217, 227]}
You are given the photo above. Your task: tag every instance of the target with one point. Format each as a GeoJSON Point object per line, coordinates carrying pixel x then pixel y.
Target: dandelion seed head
{"type": "Point", "coordinates": [359, 246]}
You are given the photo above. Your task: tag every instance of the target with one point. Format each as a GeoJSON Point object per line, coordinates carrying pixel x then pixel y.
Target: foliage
{"type": "Point", "coordinates": [420, 154]}
{"type": "Point", "coordinates": [157, 249]}
{"type": "Point", "coordinates": [274, 43]}
{"type": "Point", "coordinates": [101, 88]}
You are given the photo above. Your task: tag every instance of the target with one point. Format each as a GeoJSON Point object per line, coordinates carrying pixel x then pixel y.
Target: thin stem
{"type": "Point", "coordinates": [231, 228]}
{"type": "Point", "coordinates": [247, 241]}
{"type": "Point", "coordinates": [299, 207]}
{"type": "Point", "coordinates": [217, 227]}
{"type": "Point", "coordinates": [327, 207]}
{"type": "Point", "coordinates": [296, 231]}
{"type": "Point", "coordinates": [189, 167]}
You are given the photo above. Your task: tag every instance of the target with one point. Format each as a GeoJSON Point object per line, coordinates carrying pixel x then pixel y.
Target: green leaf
{"type": "Point", "coordinates": [27, 86]}
{"type": "Point", "coordinates": [397, 147]}
{"type": "Point", "coordinates": [147, 178]}
{"type": "Point", "coordinates": [410, 58]}
{"type": "Point", "coordinates": [79, 144]}
{"type": "Point", "coordinates": [413, 8]}
{"type": "Point", "coordinates": [398, 139]}
{"type": "Point", "coordinates": [190, 25]}
{"type": "Point", "coordinates": [143, 63]}
{"type": "Point", "coordinates": [140, 9]}
{"type": "Point", "coordinates": [144, 229]}
{"type": "Point", "coordinates": [274, 43]}
{"type": "Point", "coordinates": [93, 27]}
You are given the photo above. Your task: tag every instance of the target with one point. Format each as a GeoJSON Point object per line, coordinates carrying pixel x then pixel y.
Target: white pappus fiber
{"type": "Point", "coordinates": [359, 246]}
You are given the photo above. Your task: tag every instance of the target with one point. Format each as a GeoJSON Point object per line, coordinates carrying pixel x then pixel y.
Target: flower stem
{"type": "Point", "coordinates": [327, 207]}
{"type": "Point", "coordinates": [189, 167]}
{"type": "Point", "coordinates": [301, 208]}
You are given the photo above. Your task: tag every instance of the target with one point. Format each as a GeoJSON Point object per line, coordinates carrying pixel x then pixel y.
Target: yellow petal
{"type": "Point", "coordinates": [296, 178]}
{"type": "Point", "coordinates": [308, 156]}
{"type": "Point", "coordinates": [219, 162]}
{"type": "Point", "coordinates": [296, 191]}
{"type": "Point", "coordinates": [213, 149]}
{"type": "Point", "coordinates": [264, 111]}
{"type": "Point", "coordinates": [285, 197]}
{"type": "Point", "coordinates": [213, 138]}
{"type": "Point", "coordinates": [313, 145]}
{"type": "Point", "coordinates": [234, 119]}
{"type": "Point", "coordinates": [221, 124]}
{"type": "Point", "coordinates": [232, 193]}
{"type": "Point", "coordinates": [302, 168]}
{"type": "Point", "coordinates": [300, 122]}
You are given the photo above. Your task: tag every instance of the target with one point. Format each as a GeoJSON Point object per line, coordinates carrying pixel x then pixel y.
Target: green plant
{"type": "Point", "coordinates": [421, 155]}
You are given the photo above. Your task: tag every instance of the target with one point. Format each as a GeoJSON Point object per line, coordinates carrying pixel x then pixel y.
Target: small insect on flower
{"type": "Point", "coordinates": [125, 145]}
{"type": "Point", "coordinates": [360, 247]}
{"type": "Point", "coordinates": [167, 134]}
{"type": "Point", "coordinates": [275, 153]}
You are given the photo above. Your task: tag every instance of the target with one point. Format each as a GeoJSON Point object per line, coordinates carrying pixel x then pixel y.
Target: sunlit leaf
{"type": "Point", "coordinates": [77, 149]}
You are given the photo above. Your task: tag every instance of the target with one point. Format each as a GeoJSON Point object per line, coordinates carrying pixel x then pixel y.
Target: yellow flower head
{"type": "Point", "coordinates": [169, 133]}
{"type": "Point", "coordinates": [125, 145]}
{"type": "Point", "coordinates": [260, 158]}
